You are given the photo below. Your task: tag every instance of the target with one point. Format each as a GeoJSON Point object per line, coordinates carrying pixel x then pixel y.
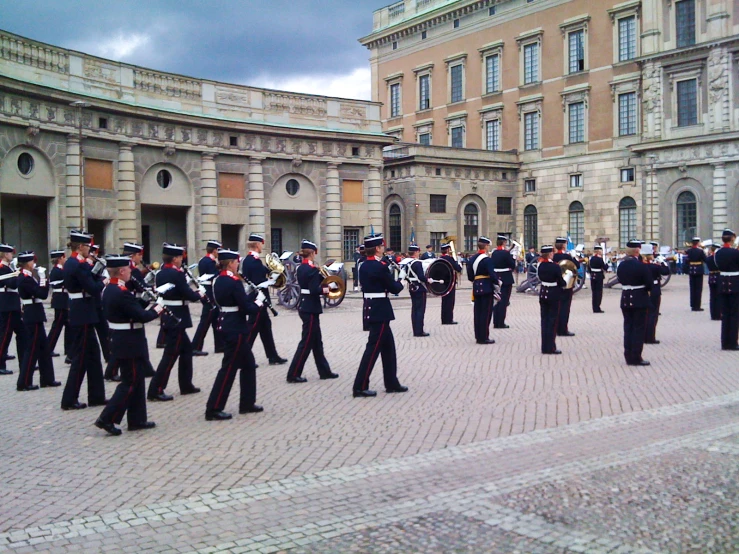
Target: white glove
{"type": "Point", "coordinates": [435, 280]}
{"type": "Point", "coordinates": [201, 290]}
{"type": "Point", "coordinates": [42, 282]}
{"type": "Point", "coordinates": [260, 299]}
{"type": "Point", "coordinates": [266, 284]}
{"type": "Point", "coordinates": [41, 272]}
{"type": "Point", "coordinates": [333, 286]}
{"type": "Point", "coordinates": [274, 276]}
{"type": "Point", "coordinates": [160, 302]}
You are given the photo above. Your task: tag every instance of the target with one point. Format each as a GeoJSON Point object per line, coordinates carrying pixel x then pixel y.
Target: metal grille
{"type": "Point", "coordinates": [457, 137]}
{"type": "Point", "coordinates": [687, 217]}
{"type": "Point", "coordinates": [394, 100]}
{"type": "Point", "coordinates": [492, 73]}
{"type": "Point", "coordinates": [627, 38]}
{"type": "Point", "coordinates": [492, 134]}
{"type": "Point", "coordinates": [627, 114]}
{"type": "Point", "coordinates": [471, 227]}
{"type": "Point", "coordinates": [395, 224]}
{"type": "Point", "coordinates": [531, 227]}
{"type": "Point", "coordinates": [351, 241]}
{"type": "Point", "coordinates": [531, 131]}
{"type": "Point", "coordinates": [687, 103]}
{"type": "Point", "coordinates": [577, 223]}
{"type": "Point", "coordinates": [685, 22]}
{"type": "Point", "coordinates": [531, 63]}
{"type": "Point", "coordinates": [626, 221]}
{"type": "Point", "coordinates": [423, 92]}
{"type": "Point", "coordinates": [577, 122]}
{"type": "Point", "coordinates": [456, 86]}
{"type": "Point", "coordinates": [577, 51]}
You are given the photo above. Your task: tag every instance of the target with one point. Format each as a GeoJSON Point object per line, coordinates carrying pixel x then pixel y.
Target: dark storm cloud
{"type": "Point", "coordinates": [227, 40]}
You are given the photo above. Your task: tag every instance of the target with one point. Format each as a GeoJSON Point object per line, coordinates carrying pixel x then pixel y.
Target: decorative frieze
{"type": "Point", "coordinates": [163, 84]}
{"type": "Point", "coordinates": [294, 104]}
{"type": "Point", "coordinates": [18, 50]}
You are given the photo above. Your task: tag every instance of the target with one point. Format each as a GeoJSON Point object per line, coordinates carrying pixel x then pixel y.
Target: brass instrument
{"type": "Point", "coordinates": [516, 249]}
{"type": "Point", "coordinates": [569, 273]}
{"type": "Point", "coordinates": [340, 290]}
{"type": "Point", "coordinates": [275, 266]}
{"type": "Point", "coordinates": [450, 241]}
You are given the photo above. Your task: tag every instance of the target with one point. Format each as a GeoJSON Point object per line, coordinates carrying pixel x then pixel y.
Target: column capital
{"type": "Point", "coordinates": [333, 165]}
{"type": "Point", "coordinates": [208, 155]}
{"type": "Point", "coordinates": [73, 138]}
{"type": "Point", "coordinates": [126, 145]}
{"type": "Point", "coordinates": [718, 164]}
{"type": "Point", "coordinates": [256, 160]}
{"type": "Point", "coordinates": [375, 167]}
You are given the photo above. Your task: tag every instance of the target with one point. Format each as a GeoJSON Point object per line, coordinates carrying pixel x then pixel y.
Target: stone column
{"type": "Point", "coordinates": [72, 211]}
{"type": "Point", "coordinates": [720, 215]}
{"type": "Point", "coordinates": [333, 212]}
{"type": "Point", "coordinates": [209, 227]}
{"type": "Point", "coordinates": [257, 220]}
{"type": "Point", "coordinates": [651, 207]}
{"type": "Point", "coordinates": [127, 229]}
{"type": "Point", "coordinates": [374, 197]}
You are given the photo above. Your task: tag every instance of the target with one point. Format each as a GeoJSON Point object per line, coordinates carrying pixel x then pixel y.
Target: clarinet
{"type": "Point", "coordinates": [267, 299]}
{"type": "Point", "coordinates": [193, 280]}
{"type": "Point", "coordinates": [151, 296]}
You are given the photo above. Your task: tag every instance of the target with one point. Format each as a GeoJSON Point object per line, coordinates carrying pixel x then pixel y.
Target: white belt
{"type": "Point", "coordinates": [595, 270]}
{"type": "Point", "coordinates": [305, 291]}
{"type": "Point", "coordinates": [14, 291]}
{"type": "Point", "coordinates": [656, 282]}
{"type": "Point", "coordinates": [78, 295]}
{"type": "Point", "coordinates": [502, 270]}
{"type": "Point", "coordinates": [124, 326]}
{"type": "Point", "coordinates": [631, 287]}
{"type": "Point", "coordinates": [27, 301]}
{"type": "Point", "coordinates": [548, 284]}
{"type": "Point", "coordinates": [228, 309]}
{"type": "Point", "coordinates": [730, 273]}
{"type": "Point", "coordinates": [174, 302]}
{"type": "Point", "coordinates": [139, 295]}
{"type": "Point", "coordinates": [60, 290]}
{"type": "Point", "coordinates": [206, 283]}
{"type": "Point", "coordinates": [55, 283]}
{"type": "Point", "coordinates": [371, 295]}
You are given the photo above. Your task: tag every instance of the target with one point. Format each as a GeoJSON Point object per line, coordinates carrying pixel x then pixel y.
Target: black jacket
{"type": "Point", "coordinates": [234, 304]}
{"type": "Point", "coordinates": [9, 300]}
{"type": "Point", "coordinates": [633, 273]}
{"type": "Point", "coordinates": [120, 306]}
{"type": "Point", "coordinates": [178, 297]}
{"type": "Point", "coordinates": [59, 296]}
{"type": "Point", "coordinates": [549, 272]}
{"type": "Point", "coordinates": [32, 297]}
{"type": "Point", "coordinates": [376, 279]}
{"type": "Point", "coordinates": [504, 265]}
{"type": "Point", "coordinates": [79, 280]}
{"type": "Point", "coordinates": [311, 292]}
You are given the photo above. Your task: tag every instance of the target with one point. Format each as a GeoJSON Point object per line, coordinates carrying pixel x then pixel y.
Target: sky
{"type": "Point", "coordinates": [307, 46]}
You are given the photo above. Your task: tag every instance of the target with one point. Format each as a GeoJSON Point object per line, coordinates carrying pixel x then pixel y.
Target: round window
{"type": "Point", "coordinates": [292, 187]}
{"type": "Point", "coordinates": [25, 163]}
{"type": "Point", "coordinates": [164, 179]}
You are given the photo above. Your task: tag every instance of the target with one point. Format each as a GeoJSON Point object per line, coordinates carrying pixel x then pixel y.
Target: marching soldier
{"type": "Point", "coordinates": [310, 307]}
{"type": "Point", "coordinates": [59, 303]}
{"type": "Point", "coordinates": [209, 316]}
{"type": "Point", "coordinates": [83, 286]}
{"type": "Point", "coordinates": [129, 349]}
{"type": "Point", "coordinates": [254, 271]}
{"type": "Point", "coordinates": [417, 288]}
{"type": "Point", "coordinates": [448, 301]}
{"type": "Point", "coordinates": [714, 302]}
{"type": "Point", "coordinates": [10, 310]}
{"type": "Point", "coordinates": [598, 268]}
{"type": "Point", "coordinates": [727, 261]}
{"type": "Point", "coordinates": [177, 343]}
{"type": "Point", "coordinates": [550, 293]}
{"type": "Point", "coordinates": [696, 258]}
{"type": "Point", "coordinates": [101, 327]}
{"type": "Point", "coordinates": [504, 265]}
{"type": "Point", "coordinates": [563, 329]}
{"type": "Point", "coordinates": [235, 307]}
{"type": "Point", "coordinates": [636, 283]}
{"type": "Point", "coordinates": [377, 282]}
{"type": "Point", "coordinates": [656, 270]}
{"type": "Point", "coordinates": [481, 272]}
{"type": "Point", "coordinates": [32, 294]}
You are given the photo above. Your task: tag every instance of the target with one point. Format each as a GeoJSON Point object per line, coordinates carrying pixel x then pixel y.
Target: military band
{"type": "Point", "coordinates": [636, 283]}
{"type": "Point", "coordinates": [551, 287]}
{"type": "Point", "coordinates": [504, 265]}
{"type": "Point", "coordinates": [696, 258]}
{"type": "Point", "coordinates": [59, 303]}
{"type": "Point", "coordinates": [101, 326]}
{"type": "Point", "coordinates": [597, 268]}
{"type": "Point", "coordinates": [207, 269]}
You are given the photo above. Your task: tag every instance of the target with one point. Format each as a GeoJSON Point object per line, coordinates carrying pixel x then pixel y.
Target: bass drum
{"type": "Point", "coordinates": [443, 276]}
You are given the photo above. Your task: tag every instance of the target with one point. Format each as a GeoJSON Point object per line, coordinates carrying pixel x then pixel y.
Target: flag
{"type": "Point", "coordinates": [570, 245]}
{"type": "Point", "coordinates": [413, 236]}
{"type": "Point", "coordinates": [372, 230]}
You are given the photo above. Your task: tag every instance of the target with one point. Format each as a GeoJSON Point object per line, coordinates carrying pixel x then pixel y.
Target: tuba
{"type": "Point", "coordinates": [275, 266]}
{"type": "Point", "coordinates": [569, 273]}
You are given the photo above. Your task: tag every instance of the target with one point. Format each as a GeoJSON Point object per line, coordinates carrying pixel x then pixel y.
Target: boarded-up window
{"type": "Point", "coordinates": [353, 192]}
{"type": "Point", "coordinates": [231, 185]}
{"type": "Point", "coordinates": [98, 174]}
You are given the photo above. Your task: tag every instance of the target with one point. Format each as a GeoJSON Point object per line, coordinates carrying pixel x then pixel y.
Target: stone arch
{"type": "Point", "coordinates": [482, 220]}
{"type": "Point", "coordinates": [178, 193]}
{"type": "Point", "coordinates": [305, 199]}
{"type": "Point", "coordinates": [41, 179]}
{"type": "Point", "coordinates": [393, 202]}
{"type": "Point", "coordinates": [677, 188]}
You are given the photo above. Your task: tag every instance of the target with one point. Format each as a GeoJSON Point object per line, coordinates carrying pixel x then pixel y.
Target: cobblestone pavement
{"type": "Point", "coordinates": [494, 448]}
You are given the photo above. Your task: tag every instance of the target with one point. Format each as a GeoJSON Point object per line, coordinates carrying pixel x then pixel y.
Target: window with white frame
{"type": "Point", "coordinates": [626, 221]}
{"type": "Point", "coordinates": [687, 102]}
{"type": "Point", "coordinates": [627, 175]}
{"type": "Point", "coordinates": [531, 131]}
{"type": "Point", "coordinates": [395, 100]}
{"type": "Point", "coordinates": [424, 92]}
{"type": "Point", "coordinates": [531, 63]}
{"type": "Point", "coordinates": [576, 181]}
{"type": "Point", "coordinates": [576, 112]}
{"type": "Point", "coordinates": [457, 136]}
{"type": "Point", "coordinates": [627, 114]}
{"type": "Point", "coordinates": [576, 49]}
{"type": "Point", "coordinates": [424, 139]}
{"type": "Point", "coordinates": [471, 226]}
{"type": "Point", "coordinates": [627, 38]}
{"type": "Point", "coordinates": [492, 73]}
{"type": "Point", "coordinates": [685, 22]}
{"type": "Point", "coordinates": [529, 185]}
{"type": "Point", "coordinates": [351, 241]}
{"type": "Point", "coordinates": [492, 134]}
{"type": "Point", "coordinates": [456, 83]}
{"type": "Point", "coordinates": [577, 223]}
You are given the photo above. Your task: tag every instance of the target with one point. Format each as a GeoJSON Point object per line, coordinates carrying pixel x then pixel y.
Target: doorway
{"type": "Point", "coordinates": [231, 236]}
{"type": "Point", "coordinates": [99, 229]}
{"type": "Point", "coordinates": [24, 224]}
{"type": "Point", "coordinates": [290, 228]}
{"type": "Point", "coordinates": [161, 224]}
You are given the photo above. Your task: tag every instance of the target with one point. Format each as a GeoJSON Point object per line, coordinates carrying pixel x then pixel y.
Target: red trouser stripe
{"type": "Point", "coordinates": [255, 327]}
{"type": "Point", "coordinates": [6, 337]}
{"type": "Point", "coordinates": [81, 373]}
{"type": "Point", "coordinates": [129, 393]}
{"type": "Point", "coordinates": [228, 371]}
{"type": "Point", "coordinates": [306, 348]}
{"type": "Point", "coordinates": [373, 358]}
{"type": "Point", "coordinates": [29, 365]}
{"type": "Point", "coordinates": [174, 355]}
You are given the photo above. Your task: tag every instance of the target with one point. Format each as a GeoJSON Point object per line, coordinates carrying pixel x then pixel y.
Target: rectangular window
{"type": "Point", "coordinates": [687, 103]}
{"type": "Point", "coordinates": [424, 139]}
{"type": "Point", "coordinates": [491, 10]}
{"type": "Point", "coordinates": [626, 225]}
{"type": "Point", "coordinates": [98, 174]}
{"type": "Point", "coordinates": [531, 131]}
{"type": "Point", "coordinates": [395, 100]}
{"type": "Point", "coordinates": [395, 45]}
{"type": "Point", "coordinates": [505, 205]}
{"type": "Point", "coordinates": [424, 92]}
{"type": "Point", "coordinates": [103, 122]}
{"type": "Point", "coordinates": [577, 227]}
{"type": "Point", "coordinates": [276, 240]}
{"type": "Point", "coordinates": [529, 185]}
{"type": "Point", "coordinates": [233, 140]}
{"type": "Point", "coordinates": [685, 22]}
{"type": "Point", "coordinates": [627, 38]}
{"type": "Point", "coordinates": [457, 137]}
{"type": "Point", "coordinates": [351, 241]}
{"type": "Point", "coordinates": [424, 34]}
{"type": "Point", "coordinates": [531, 63]}
{"type": "Point", "coordinates": [577, 122]}
{"type": "Point", "coordinates": [437, 203]}
{"type": "Point", "coordinates": [627, 114]}
{"type": "Point", "coordinates": [456, 23]}
{"type": "Point", "coordinates": [492, 134]}
{"type": "Point", "coordinates": [577, 51]}
{"type": "Point", "coordinates": [231, 185]}
{"type": "Point", "coordinates": [457, 92]}
{"type": "Point", "coordinates": [576, 181]}
{"type": "Point", "coordinates": [437, 239]}
{"type": "Point", "coordinates": [492, 73]}
{"type": "Point", "coordinates": [627, 175]}
{"type": "Point", "coordinates": [352, 191]}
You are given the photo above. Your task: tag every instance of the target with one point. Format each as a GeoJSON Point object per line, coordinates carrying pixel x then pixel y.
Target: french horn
{"type": "Point", "coordinates": [569, 273]}
{"type": "Point", "coordinates": [275, 266]}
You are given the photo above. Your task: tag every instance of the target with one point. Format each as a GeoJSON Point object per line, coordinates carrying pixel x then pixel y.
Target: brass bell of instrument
{"type": "Point", "coordinates": [275, 266]}
{"type": "Point", "coordinates": [569, 273]}
{"type": "Point", "coordinates": [340, 290]}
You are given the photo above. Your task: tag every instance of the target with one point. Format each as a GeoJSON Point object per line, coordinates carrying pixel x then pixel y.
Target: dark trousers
{"type": "Point", "coordinates": [714, 301]}
{"type": "Point", "coordinates": [237, 356]}
{"type": "Point", "coordinates": [176, 345]}
{"type": "Point", "coordinates": [596, 287]}
{"type": "Point", "coordinates": [650, 334]}
{"type": "Point", "coordinates": [729, 320]}
{"type": "Point", "coordinates": [11, 322]}
{"type": "Point", "coordinates": [447, 307]}
{"type": "Point", "coordinates": [696, 291]}
{"type": "Point", "coordinates": [37, 351]}
{"type": "Point", "coordinates": [113, 367]}
{"type": "Point", "coordinates": [549, 314]}
{"type": "Point", "coordinates": [160, 335]}
{"type": "Point", "coordinates": [379, 343]}
{"type": "Point", "coordinates": [310, 341]}
{"type": "Point", "coordinates": [129, 396]}
{"type": "Point", "coordinates": [262, 326]}
{"type": "Point", "coordinates": [635, 322]}
{"type": "Point", "coordinates": [564, 312]}
{"type": "Point", "coordinates": [483, 313]}
{"type": "Point", "coordinates": [501, 308]}
{"type": "Point", "coordinates": [85, 361]}
{"type": "Point", "coordinates": [101, 328]}
{"type": "Point", "coordinates": [208, 318]}
{"type": "Point", "coordinates": [418, 311]}
{"type": "Point", "coordinates": [61, 317]}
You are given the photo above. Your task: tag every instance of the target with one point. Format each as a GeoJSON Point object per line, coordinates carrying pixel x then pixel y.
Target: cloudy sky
{"type": "Point", "coordinates": [300, 45]}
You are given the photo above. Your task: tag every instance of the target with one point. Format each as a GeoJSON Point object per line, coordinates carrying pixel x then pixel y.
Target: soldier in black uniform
{"type": "Point", "coordinates": [32, 294]}
{"type": "Point", "coordinates": [376, 283]}
{"type": "Point", "coordinates": [59, 303]}
{"type": "Point", "coordinates": [448, 301]}
{"type": "Point", "coordinates": [727, 260]}
{"type": "Point", "coordinates": [83, 285]}
{"type": "Point", "coordinates": [714, 302]}
{"type": "Point", "coordinates": [235, 307]}
{"type": "Point", "coordinates": [177, 343]}
{"type": "Point", "coordinates": [429, 254]}
{"type": "Point", "coordinates": [656, 271]}
{"type": "Point", "coordinates": [10, 310]}
{"type": "Point", "coordinates": [481, 272]}
{"type": "Point", "coordinates": [563, 323]}
{"type": "Point", "coordinates": [636, 282]}
{"type": "Point", "coordinates": [696, 258]}
{"type": "Point", "coordinates": [254, 271]}
{"type": "Point", "coordinates": [598, 268]}
{"type": "Point", "coordinates": [356, 257]}
{"type": "Point", "coordinates": [209, 316]}
{"type": "Point", "coordinates": [504, 265]}
{"type": "Point", "coordinates": [530, 256]}
{"type": "Point", "coordinates": [126, 317]}
{"type": "Point", "coordinates": [417, 288]}
{"type": "Point", "coordinates": [550, 293]}
{"type": "Point", "coordinates": [101, 327]}
{"type": "Point", "coordinates": [309, 308]}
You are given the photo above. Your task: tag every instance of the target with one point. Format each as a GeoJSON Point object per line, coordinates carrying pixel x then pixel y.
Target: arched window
{"type": "Point", "coordinates": [687, 217]}
{"type": "Point", "coordinates": [626, 221]}
{"type": "Point", "coordinates": [471, 227]}
{"type": "Point", "coordinates": [531, 227]}
{"type": "Point", "coordinates": [395, 240]}
{"type": "Point", "coordinates": [577, 223]}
